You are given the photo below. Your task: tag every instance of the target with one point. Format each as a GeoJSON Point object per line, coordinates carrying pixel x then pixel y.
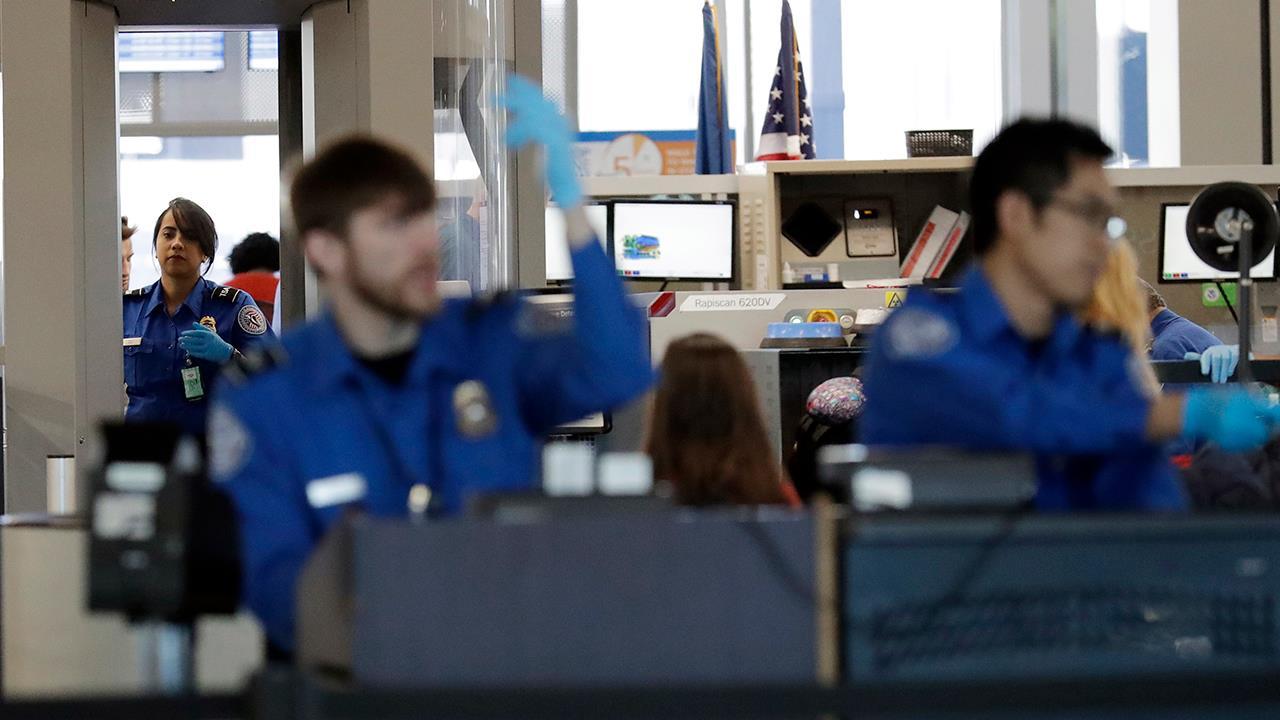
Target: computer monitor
{"type": "Point", "coordinates": [674, 240]}
{"type": "Point", "coordinates": [559, 265]}
{"type": "Point", "coordinates": [1179, 263]}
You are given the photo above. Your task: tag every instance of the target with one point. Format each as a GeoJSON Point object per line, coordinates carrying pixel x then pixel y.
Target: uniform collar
{"type": "Point", "coordinates": [983, 312]}
{"type": "Point", "coordinates": [336, 364]}
{"type": "Point", "coordinates": [986, 318]}
{"type": "Point", "coordinates": [1162, 320]}
{"type": "Point", "coordinates": [194, 301]}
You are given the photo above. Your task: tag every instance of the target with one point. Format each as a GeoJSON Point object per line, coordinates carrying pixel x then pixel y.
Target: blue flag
{"type": "Point", "coordinates": [712, 156]}
{"type": "Point", "coordinates": [788, 124]}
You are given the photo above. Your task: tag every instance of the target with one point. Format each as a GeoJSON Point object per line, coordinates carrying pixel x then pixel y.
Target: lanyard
{"type": "Point", "coordinates": [401, 474]}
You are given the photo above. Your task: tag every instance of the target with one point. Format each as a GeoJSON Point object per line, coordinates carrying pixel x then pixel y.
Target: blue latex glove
{"type": "Point", "coordinates": [1217, 362]}
{"type": "Point", "coordinates": [535, 119]}
{"type": "Point", "coordinates": [1235, 419]}
{"type": "Point", "coordinates": [204, 344]}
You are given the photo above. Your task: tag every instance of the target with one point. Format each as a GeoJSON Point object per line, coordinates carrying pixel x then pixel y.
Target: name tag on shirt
{"type": "Point", "coordinates": [336, 490]}
{"type": "Point", "coordinates": [132, 342]}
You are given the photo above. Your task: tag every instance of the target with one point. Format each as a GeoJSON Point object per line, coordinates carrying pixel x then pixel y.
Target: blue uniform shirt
{"type": "Point", "coordinates": [297, 443]}
{"type": "Point", "coordinates": [952, 370]}
{"type": "Point", "coordinates": [1173, 336]}
{"type": "Point", "coordinates": [153, 361]}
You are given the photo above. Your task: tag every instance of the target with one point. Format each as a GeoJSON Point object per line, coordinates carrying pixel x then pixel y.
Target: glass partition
{"type": "Point", "coordinates": [473, 167]}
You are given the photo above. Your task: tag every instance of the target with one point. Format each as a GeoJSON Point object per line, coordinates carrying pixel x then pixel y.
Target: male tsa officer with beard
{"type": "Point", "coordinates": [394, 395]}
{"type": "Point", "coordinates": [1005, 365]}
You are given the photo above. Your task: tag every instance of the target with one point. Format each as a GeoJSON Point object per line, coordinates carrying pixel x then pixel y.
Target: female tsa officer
{"type": "Point", "coordinates": [179, 330]}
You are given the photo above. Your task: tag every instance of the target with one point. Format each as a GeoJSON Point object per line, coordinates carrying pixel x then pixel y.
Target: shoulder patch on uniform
{"type": "Point", "coordinates": [917, 334]}
{"type": "Point", "coordinates": [225, 293]}
{"type": "Point", "coordinates": [255, 362]}
{"type": "Point", "coordinates": [229, 443]}
{"type": "Point", "coordinates": [137, 292]}
{"type": "Point", "coordinates": [251, 320]}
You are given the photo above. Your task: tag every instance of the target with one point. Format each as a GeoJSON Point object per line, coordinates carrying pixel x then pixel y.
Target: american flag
{"type": "Point", "coordinates": [788, 124]}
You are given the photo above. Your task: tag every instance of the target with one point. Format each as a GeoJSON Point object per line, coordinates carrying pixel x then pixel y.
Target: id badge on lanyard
{"type": "Point", "coordinates": [192, 387]}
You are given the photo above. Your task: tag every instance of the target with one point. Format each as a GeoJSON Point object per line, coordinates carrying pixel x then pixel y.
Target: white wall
{"type": "Point", "coordinates": [1220, 84]}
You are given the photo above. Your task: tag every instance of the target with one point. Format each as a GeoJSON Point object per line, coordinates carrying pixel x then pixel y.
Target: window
{"type": "Point", "coordinates": [907, 65]}
{"type": "Point", "coordinates": [639, 64]}
{"type": "Point", "coordinates": [235, 179]}
{"type": "Point", "coordinates": [919, 65]}
{"type": "Point", "coordinates": [1138, 80]}
{"type": "Point", "coordinates": [198, 119]}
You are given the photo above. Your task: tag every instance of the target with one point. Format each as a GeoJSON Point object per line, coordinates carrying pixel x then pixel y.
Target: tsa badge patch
{"type": "Point", "coordinates": [251, 320]}
{"type": "Point", "coordinates": [920, 335]}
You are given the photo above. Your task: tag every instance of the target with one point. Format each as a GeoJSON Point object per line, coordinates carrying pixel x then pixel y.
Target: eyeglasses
{"type": "Point", "coordinates": [1099, 216]}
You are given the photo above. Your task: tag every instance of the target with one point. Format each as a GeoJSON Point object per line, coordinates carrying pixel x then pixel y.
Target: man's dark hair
{"type": "Point", "coordinates": [194, 224]}
{"type": "Point", "coordinates": [257, 251]}
{"type": "Point", "coordinates": [1154, 300]}
{"type": "Point", "coordinates": [353, 174]}
{"type": "Point", "coordinates": [1033, 157]}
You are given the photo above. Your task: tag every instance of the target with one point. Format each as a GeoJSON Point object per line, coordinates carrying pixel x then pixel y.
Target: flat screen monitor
{"type": "Point", "coordinates": [674, 240]}
{"type": "Point", "coordinates": [559, 265]}
{"type": "Point", "coordinates": [155, 52]}
{"type": "Point", "coordinates": [1179, 263]}
{"type": "Point", "coordinates": [264, 50]}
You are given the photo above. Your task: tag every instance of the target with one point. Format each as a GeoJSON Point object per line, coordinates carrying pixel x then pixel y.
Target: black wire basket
{"type": "Point", "coordinates": [939, 143]}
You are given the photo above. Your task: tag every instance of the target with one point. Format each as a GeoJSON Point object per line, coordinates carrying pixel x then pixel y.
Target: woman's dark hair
{"type": "Point", "coordinates": [1033, 157]}
{"type": "Point", "coordinates": [194, 224]}
{"type": "Point", "coordinates": [706, 433]}
{"type": "Point", "coordinates": [257, 251]}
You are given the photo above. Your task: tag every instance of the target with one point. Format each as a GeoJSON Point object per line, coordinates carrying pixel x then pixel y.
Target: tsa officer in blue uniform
{"type": "Point", "coordinates": [394, 397]}
{"type": "Point", "coordinates": [1004, 365]}
{"type": "Point", "coordinates": [1174, 337]}
{"type": "Point", "coordinates": [179, 330]}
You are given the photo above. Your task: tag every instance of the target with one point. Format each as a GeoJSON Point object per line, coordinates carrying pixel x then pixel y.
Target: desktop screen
{"type": "Point", "coordinates": [559, 265]}
{"type": "Point", "coordinates": [674, 240]}
{"type": "Point", "coordinates": [1179, 263]}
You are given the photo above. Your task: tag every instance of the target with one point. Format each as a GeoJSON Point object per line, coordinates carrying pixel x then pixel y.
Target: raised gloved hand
{"type": "Point", "coordinates": [1218, 362]}
{"type": "Point", "coordinates": [535, 119]}
{"type": "Point", "coordinates": [1233, 418]}
{"type": "Point", "coordinates": [204, 344]}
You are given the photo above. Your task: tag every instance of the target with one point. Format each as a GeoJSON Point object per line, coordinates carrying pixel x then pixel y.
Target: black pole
{"type": "Point", "coordinates": [1264, 12]}
{"type": "Point", "coordinates": [1244, 373]}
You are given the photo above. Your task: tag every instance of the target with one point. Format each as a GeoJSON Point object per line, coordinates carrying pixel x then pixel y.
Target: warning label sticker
{"type": "Point", "coordinates": [893, 298]}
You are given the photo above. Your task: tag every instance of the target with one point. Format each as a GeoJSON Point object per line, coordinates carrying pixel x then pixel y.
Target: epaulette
{"type": "Point", "coordinates": [255, 362]}
{"type": "Point", "coordinates": [223, 292]}
{"type": "Point", "coordinates": [139, 292]}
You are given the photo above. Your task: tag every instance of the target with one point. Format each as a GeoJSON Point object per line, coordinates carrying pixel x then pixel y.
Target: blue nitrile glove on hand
{"type": "Point", "coordinates": [535, 119]}
{"type": "Point", "coordinates": [1233, 418]}
{"type": "Point", "coordinates": [204, 344]}
{"type": "Point", "coordinates": [1218, 362]}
